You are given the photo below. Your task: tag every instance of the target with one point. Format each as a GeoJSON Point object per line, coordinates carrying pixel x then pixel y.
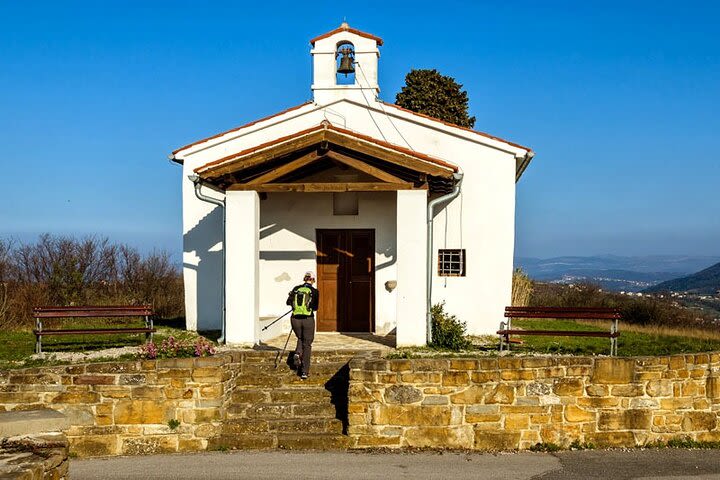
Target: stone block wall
{"type": "Point", "coordinates": [515, 403]}
{"type": "Point", "coordinates": [126, 407]}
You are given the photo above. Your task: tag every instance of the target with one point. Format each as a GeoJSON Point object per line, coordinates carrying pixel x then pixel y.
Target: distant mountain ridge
{"type": "Point", "coordinates": [706, 281]}
{"type": "Point", "coordinates": [613, 272]}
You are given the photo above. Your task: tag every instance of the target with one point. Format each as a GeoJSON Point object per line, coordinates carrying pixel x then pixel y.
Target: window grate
{"type": "Point", "coordinates": [451, 262]}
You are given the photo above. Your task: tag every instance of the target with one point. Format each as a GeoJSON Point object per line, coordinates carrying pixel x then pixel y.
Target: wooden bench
{"type": "Point", "coordinates": [573, 313]}
{"type": "Point", "coordinates": [41, 313]}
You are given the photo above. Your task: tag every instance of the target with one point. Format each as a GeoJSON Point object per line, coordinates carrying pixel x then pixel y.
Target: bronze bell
{"type": "Point", "coordinates": [346, 62]}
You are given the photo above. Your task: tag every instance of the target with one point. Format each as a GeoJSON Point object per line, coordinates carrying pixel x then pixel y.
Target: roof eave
{"type": "Point", "coordinates": [233, 130]}
{"type": "Point", "coordinates": [515, 146]}
{"type": "Point", "coordinates": [522, 164]}
{"type": "Point", "coordinates": [346, 28]}
{"type": "Point", "coordinates": [325, 126]}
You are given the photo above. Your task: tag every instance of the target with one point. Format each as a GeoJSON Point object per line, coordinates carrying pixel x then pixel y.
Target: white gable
{"type": "Point", "coordinates": [356, 107]}
{"type": "Point", "coordinates": [379, 120]}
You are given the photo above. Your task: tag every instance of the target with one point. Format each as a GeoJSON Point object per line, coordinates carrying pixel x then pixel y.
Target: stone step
{"type": "Point", "coordinates": [324, 410]}
{"type": "Point", "coordinates": [245, 426]}
{"type": "Point", "coordinates": [289, 441]}
{"type": "Point", "coordinates": [299, 394]}
{"type": "Point", "coordinates": [316, 368]}
{"type": "Point", "coordinates": [323, 441]}
{"type": "Point", "coordinates": [243, 442]}
{"type": "Point", "coordinates": [282, 410]}
{"type": "Point", "coordinates": [319, 355]}
{"type": "Point", "coordinates": [310, 425]}
{"type": "Point", "coordinates": [258, 379]}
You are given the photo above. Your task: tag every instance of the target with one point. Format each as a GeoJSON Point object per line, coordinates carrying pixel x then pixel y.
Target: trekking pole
{"type": "Point", "coordinates": [275, 321]}
{"type": "Point", "coordinates": [284, 348]}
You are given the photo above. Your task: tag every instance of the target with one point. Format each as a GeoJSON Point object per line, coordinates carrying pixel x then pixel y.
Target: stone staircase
{"type": "Point", "coordinates": [274, 408]}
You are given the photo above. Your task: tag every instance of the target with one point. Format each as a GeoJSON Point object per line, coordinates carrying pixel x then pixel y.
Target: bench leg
{"type": "Point", "coordinates": [38, 343]}
{"type": "Point", "coordinates": [507, 335]}
{"type": "Point", "coordinates": [502, 327]}
{"type": "Point", "coordinates": [613, 339]}
{"type": "Point", "coordinates": [149, 323]}
{"type": "Point", "coordinates": [616, 329]}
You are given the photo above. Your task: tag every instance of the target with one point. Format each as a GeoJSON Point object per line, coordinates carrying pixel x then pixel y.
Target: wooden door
{"type": "Point", "coordinates": [346, 280]}
{"type": "Point", "coordinates": [328, 278]}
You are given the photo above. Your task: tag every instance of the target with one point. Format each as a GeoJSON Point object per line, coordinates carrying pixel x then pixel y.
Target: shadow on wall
{"type": "Point", "coordinates": [203, 240]}
{"type": "Point", "coordinates": [282, 255]}
{"type": "Point", "coordinates": [270, 228]}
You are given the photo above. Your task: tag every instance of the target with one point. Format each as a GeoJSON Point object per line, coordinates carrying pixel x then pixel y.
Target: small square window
{"type": "Point", "coordinates": [451, 262]}
{"type": "Point", "coordinates": [345, 203]}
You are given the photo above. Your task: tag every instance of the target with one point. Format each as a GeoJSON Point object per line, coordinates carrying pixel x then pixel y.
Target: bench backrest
{"type": "Point", "coordinates": [594, 313]}
{"type": "Point", "coordinates": [92, 311]}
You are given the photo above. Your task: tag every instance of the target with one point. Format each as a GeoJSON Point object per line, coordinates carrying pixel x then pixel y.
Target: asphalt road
{"type": "Point", "coordinates": [281, 465]}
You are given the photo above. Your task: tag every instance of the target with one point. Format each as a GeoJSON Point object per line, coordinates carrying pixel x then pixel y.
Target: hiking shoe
{"type": "Point", "coordinates": [303, 376]}
{"type": "Point", "coordinates": [296, 361]}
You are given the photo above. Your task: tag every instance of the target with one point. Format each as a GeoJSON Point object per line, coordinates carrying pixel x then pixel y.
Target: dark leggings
{"type": "Point", "coordinates": [304, 329]}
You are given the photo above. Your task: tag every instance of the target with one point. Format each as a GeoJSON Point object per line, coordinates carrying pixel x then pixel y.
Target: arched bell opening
{"type": "Point", "coordinates": [345, 63]}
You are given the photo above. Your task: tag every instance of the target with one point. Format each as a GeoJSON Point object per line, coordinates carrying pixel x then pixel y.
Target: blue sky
{"type": "Point", "coordinates": [620, 100]}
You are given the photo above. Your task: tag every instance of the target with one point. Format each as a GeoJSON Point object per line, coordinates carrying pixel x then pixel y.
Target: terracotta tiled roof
{"type": "Point", "coordinates": [241, 127]}
{"type": "Point", "coordinates": [487, 135]}
{"type": "Point", "coordinates": [347, 28]}
{"type": "Point", "coordinates": [262, 146]}
{"type": "Point", "coordinates": [327, 126]}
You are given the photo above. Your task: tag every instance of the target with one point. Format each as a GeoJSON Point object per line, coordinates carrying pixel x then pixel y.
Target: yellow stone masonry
{"type": "Point", "coordinates": [515, 403]}
{"type": "Point", "coordinates": [175, 405]}
{"type": "Point", "coordinates": [126, 408]}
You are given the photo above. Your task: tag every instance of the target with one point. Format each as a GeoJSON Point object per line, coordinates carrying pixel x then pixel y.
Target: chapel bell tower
{"type": "Point", "coordinates": [345, 65]}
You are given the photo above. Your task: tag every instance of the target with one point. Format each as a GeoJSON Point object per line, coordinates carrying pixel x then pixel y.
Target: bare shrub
{"type": "Point", "coordinates": [64, 271]}
{"type": "Point", "coordinates": [152, 280]}
{"type": "Point", "coordinates": [4, 278]}
{"type": "Point", "coordinates": [635, 310]}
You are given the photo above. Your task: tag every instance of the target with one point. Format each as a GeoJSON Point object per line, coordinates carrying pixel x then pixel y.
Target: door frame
{"type": "Point", "coordinates": [371, 232]}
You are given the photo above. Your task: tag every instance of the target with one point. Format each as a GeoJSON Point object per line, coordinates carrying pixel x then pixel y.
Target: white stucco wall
{"type": "Point", "coordinates": [288, 249]}
{"type": "Point", "coordinates": [411, 285]}
{"type": "Point", "coordinates": [481, 220]}
{"type": "Point", "coordinates": [242, 273]}
{"type": "Point", "coordinates": [202, 259]}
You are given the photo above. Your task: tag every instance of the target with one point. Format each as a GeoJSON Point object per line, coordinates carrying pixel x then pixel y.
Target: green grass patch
{"type": "Point", "coordinates": [629, 343]}
{"type": "Point", "coordinates": [578, 445]}
{"type": "Point", "coordinates": [16, 347]}
{"type": "Point", "coordinates": [546, 447]}
{"type": "Point", "coordinates": [684, 443]}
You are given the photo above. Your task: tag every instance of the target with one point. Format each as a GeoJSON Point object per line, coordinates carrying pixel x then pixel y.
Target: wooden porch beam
{"type": "Point", "coordinates": [282, 170]}
{"type": "Point", "coordinates": [325, 187]}
{"type": "Point", "coordinates": [364, 167]}
{"type": "Point", "coordinates": [381, 153]}
{"type": "Point", "coordinates": [264, 155]}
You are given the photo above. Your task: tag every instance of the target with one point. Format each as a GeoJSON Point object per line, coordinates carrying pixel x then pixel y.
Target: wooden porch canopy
{"type": "Point", "coordinates": [295, 163]}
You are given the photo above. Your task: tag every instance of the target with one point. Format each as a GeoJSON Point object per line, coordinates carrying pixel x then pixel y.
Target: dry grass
{"type": "Point", "coordinates": [522, 288]}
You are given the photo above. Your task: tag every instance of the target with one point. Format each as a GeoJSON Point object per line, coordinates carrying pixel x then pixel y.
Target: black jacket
{"type": "Point", "coordinates": [314, 302]}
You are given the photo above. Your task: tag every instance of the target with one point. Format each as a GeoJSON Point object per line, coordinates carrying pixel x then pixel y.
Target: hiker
{"type": "Point", "coordinates": [304, 301]}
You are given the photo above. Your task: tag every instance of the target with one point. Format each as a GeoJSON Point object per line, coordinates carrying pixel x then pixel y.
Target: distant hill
{"type": "Point", "coordinates": [612, 272]}
{"type": "Point", "coordinates": [704, 282]}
